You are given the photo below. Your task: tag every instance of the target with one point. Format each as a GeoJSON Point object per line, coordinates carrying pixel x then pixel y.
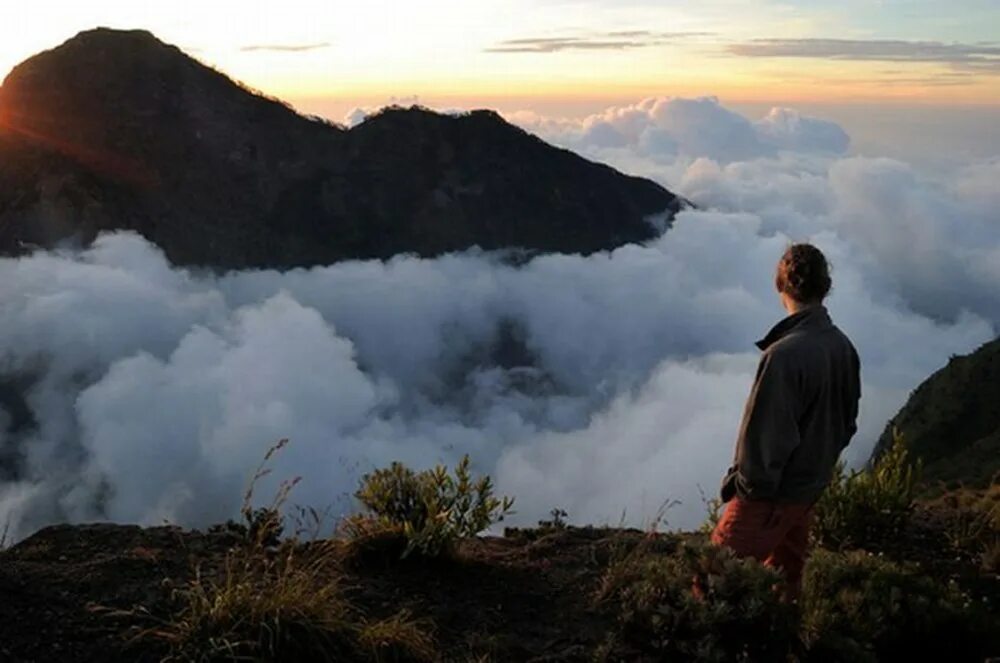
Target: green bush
{"type": "Point", "coordinates": [700, 604]}
{"type": "Point", "coordinates": [868, 507]}
{"type": "Point", "coordinates": [861, 607]}
{"type": "Point", "coordinates": [431, 510]}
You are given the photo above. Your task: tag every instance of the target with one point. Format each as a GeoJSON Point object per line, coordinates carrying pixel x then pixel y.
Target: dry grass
{"type": "Point", "coordinates": [971, 521]}
{"type": "Point", "coordinates": [398, 638]}
{"type": "Point", "coordinates": [263, 607]}
{"type": "Point", "coordinates": [282, 600]}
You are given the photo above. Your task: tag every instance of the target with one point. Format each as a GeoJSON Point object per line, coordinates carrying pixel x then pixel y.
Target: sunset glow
{"type": "Point", "coordinates": [562, 51]}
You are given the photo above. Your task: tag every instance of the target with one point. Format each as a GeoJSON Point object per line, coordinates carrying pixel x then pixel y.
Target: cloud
{"type": "Point", "coordinates": [663, 128]}
{"type": "Point", "coordinates": [597, 384]}
{"type": "Point", "coordinates": [284, 48]}
{"type": "Point", "coordinates": [982, 58]}
{"type": "Point", "coordinates": [355, 117]}
{"type": "Point", "coordinates": [615, 40]}
{"type": "Point", "coordinates": [787, 129]}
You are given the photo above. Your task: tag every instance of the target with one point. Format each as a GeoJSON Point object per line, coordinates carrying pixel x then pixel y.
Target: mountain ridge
{"type": "Point", "coordinates": [116, 130]}
{"type": "Point", "coordinates": [951, 420]}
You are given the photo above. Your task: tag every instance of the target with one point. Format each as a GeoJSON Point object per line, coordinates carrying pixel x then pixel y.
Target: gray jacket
{"type": "Point", "coordinates": [801, 413]}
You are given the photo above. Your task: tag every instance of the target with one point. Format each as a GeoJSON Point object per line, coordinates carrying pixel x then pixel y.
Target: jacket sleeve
{"type": "Point", "coordinates": [769, 432]}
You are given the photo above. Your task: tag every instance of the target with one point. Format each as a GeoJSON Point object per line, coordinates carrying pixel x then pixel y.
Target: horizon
{"type": "Point", "coordinates": [902, 82]}
{"type": "Point", "coordinates": [567, 54]}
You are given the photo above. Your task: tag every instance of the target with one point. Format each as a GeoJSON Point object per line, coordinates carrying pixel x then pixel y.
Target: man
{"type": "Point", "coordinates": [801, 413]}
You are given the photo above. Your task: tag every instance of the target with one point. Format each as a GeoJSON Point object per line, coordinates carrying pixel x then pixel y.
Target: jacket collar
{"type": "Point", "coordinates": [813, 317]}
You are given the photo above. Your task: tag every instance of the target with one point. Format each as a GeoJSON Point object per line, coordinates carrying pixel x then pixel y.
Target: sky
{"type": "Point", "coordinates": [566, 56]}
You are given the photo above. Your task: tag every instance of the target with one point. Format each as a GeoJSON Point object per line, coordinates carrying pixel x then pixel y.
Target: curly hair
{"type": "Point", "coordinates": [803, 274]}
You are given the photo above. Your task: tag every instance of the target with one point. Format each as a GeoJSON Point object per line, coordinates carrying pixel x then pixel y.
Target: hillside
{"type": "Point", "coordinates": [117, 130]}
{"type": "Point", "coordinates": [99, 592]}
{"type": "Point", "coordinates": [952, 420]}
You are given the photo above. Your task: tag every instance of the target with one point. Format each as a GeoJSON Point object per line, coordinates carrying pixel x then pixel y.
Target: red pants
{"type": "Point", "coordinates": [774, 533]}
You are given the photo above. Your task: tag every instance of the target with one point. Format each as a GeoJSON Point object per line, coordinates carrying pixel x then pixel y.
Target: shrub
{"type": "Point", "coordinates": [867, 507]}
{"type": "Point", "coordinates": [431, 510]}
{"type": "Point", "coordinates": [700, 603]}
{"type": "Point", "coordinates": [860, 607]}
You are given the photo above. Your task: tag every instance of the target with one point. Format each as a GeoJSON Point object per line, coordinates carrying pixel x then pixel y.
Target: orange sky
{"type": "Point", "coordinates": [561, 54]}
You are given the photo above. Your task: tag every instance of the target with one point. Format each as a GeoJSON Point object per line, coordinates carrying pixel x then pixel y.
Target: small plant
{"type": "Point", "coordinates": [431, 510]}
{"type": "Point", "coordinates": [557, 520]}
{"type": "Point", "coordinates": [866, 507]}
{"type": "Point", "coordinates": [861, 607]}
{"type": "Point", "coordinates": [700, 603]}
{"type": "Point", "coordinates": [713, 512]}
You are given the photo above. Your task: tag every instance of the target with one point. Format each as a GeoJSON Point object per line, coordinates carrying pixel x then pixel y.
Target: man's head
{"type": "Point", "coordinates": [802, 277]}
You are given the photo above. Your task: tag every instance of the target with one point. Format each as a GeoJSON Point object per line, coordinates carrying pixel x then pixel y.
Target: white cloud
{"type": "Point", "coordinates": [663, 128]}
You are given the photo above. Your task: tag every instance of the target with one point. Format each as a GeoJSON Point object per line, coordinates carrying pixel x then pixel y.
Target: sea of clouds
{"type": "Point", "coordinates": [605, 385]}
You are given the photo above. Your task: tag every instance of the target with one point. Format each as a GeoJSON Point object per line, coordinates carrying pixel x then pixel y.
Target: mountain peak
{"type": "Point", "coordinates": [117, 130]}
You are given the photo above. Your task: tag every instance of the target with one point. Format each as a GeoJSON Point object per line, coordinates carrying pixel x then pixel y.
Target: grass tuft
{"type": "Point", "coordinates": [277, 599]}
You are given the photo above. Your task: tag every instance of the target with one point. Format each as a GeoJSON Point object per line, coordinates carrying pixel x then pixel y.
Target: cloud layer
{"type": "Point", "coordinates": [983, 58]}
{"type": "Point", "coordinates": [284, 48]}
{"type": "Point", "coordinates": [601, 385]}
{"type": "Point", "coordinates": [602, 41]}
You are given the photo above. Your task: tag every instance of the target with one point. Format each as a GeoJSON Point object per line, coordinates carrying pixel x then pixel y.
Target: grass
{"type": "Point", "coordinates": [280, 599]}
{"type": "Point", "coordinates": [971, 522]}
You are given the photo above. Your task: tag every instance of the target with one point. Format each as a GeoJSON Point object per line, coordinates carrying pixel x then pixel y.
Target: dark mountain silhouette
{"type": "Point", "coordinates": [952, 420]}
{"type": "Point", "coordinates": [117, 130]}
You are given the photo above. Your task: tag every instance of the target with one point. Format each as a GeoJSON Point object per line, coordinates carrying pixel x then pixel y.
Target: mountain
{"type": "Point", "coordinates": [117, 130]}
{"type": "Point", "coordinates": [952, 420]}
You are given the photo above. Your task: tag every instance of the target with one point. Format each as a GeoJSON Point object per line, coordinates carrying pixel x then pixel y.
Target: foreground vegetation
{"type": "Point", "coordinates": [891, 577]}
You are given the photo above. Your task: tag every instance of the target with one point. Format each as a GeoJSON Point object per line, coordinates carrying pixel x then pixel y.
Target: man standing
{"type": "Point", "coordinates": [801, 413]}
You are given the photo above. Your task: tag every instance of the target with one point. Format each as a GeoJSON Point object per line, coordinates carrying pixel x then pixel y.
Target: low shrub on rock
{"type": "Point", "coordinates": [428, 511]}
{"type": "Point", "coordinates": [700, 603]}
{"type": "Point", "coordinates": [857, 606]}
